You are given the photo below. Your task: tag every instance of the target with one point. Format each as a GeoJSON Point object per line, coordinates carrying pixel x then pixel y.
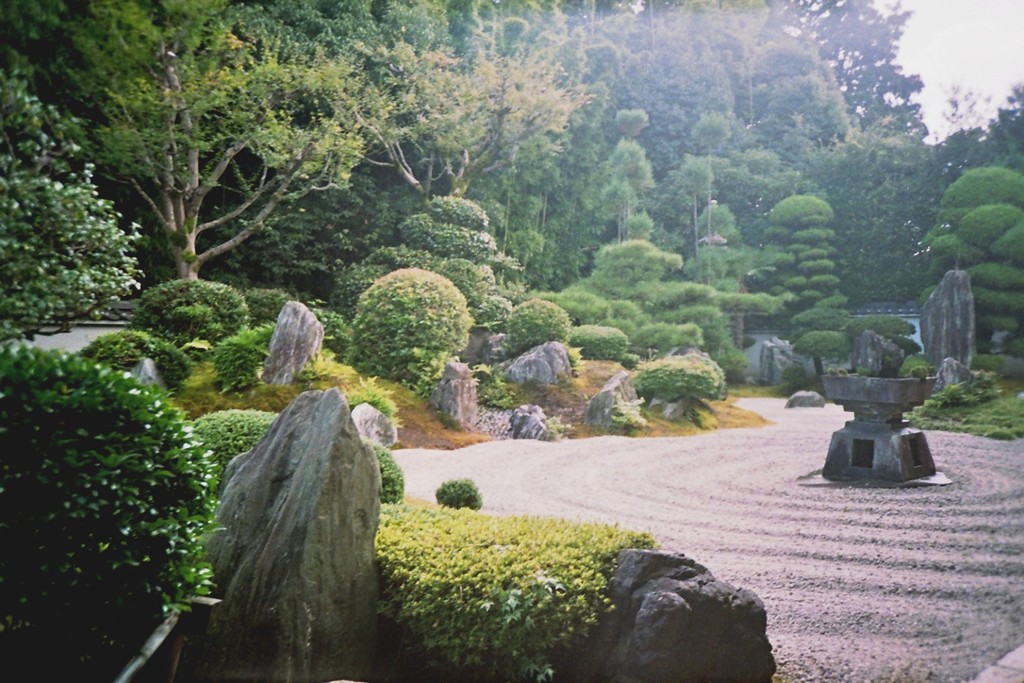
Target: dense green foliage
{"type": "Point", "coordinates": [599, 342]}
{"type": "Point", "coordinates": [459, 493]}
{"type": "Point", "coordinates": [392, 480]}
{"type": "Point", "coordinates": [238, 360]}
{"type": "Point", "coordinates": [975, 407]}
{"type": "Point", "coordinates": [105, 500]}
{"type": "Point", "coordinates": [408, 323]}
{"type": "Point", "coordinates": [371, 392]}
{"type": "Point", "coordinates": [535, 322]}
{"type": "Point", "coordinates": [123, 350]}
{"type": "Point", "coordinates": [183, 311]}
{"type": "Point", "coordinates": [495, 597]}
{"type": "Point", "coordinates": [63, 256]}
{"type": "Point", "coordinates": [265, 303]}
{"type": "Point", "coordinates": [231, 432]}
{"type": "Point", "coordinates": [981, 230]}
{"type": "Point", "coordinates": [692, 376]}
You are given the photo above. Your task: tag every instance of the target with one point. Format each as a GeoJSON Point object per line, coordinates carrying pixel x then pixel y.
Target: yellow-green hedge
{"type": "Point", "coordinates": [495, 595]}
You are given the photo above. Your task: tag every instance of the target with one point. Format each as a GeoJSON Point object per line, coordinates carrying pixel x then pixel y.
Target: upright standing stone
{"type": "Point", "coordinates": [947, 320]}
{"type": "Point", "coordinates": [146, 372]}
{"type": "Point", "coordinates": [297, 339]}
{"type": "Point", "coordinates": [877, 355]}
{"type": "Point", "coordinates": [776, 357]}
{"type": "Point", "coordinates": [455, 394]}
{"type": "Point", "coordinates": [528, 422]}
{"type": "Point", "coordinates": [294, 562]}
{"type": "Point", "coordinates": [600, 409]}
{"type": "Point", "coordinates": [951, 371]}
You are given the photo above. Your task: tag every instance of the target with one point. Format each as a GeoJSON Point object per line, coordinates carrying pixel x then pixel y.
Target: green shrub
{"type": "Point", "coordinates": [583, 307]}
{"type": "Point", "coordinates": [230, 432]}
{"type": "Point", "coordinates": [238, 360]}
{"type": "Point", "coordinates": [599, 342]}
{"type": "Point", "coordinates": [630, 360]}
{"type": "Point", "coordinates": [493, 311]}
{"type": "Point", "coordinates": [691, 376]}
{"type": "Point", "coordinates": [407, 324]}
{"type": "Point", "coordinates": [492, 390]}
{"type": "Point", "coordinates": [392, 481]}
{"type": "Point", "coordinates": [796, 378]}
{"type": "Point", "coordinates": [663, 337]}
{"type": "Point", "coordinates": [265, 304]}
{"type": "Point", "coordinates": [535, 322]}
{"type": "Point", "coordinates": [337, 336]}
{"type": "Point", "coordinates": [123, 350]}
{"type": "Point", "coordinates": [105, 500]}
{"type": "Point", "coordinates": [911, 365]}
{"type": "Point", "coordinates": [352, 281]}
{"type": "Point", "coordinates": [459, 493]}
{"type": "Point", "coordinates": [988, 362]}
{"type": "Point", "coordinates": [626, 417]}
{"type": "Point", "coordinates": [492, 598]}
{"type": "Point", "coordinates": [381, 398]}
{"type": "Point", "coordinates": [982, 389]}
{"type": "Point", "coordinates": [732, 361]}
{"type": "Point", "coordinates": [182, 311]}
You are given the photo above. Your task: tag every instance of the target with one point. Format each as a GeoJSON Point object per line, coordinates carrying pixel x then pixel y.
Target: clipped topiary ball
{"type": "Point", "coordinates": [536, 322]}
{"type": "Point", "coordinates": [599, 342]}
{"type": "Point", "coordinates": [459, 493]}
{"type": "Point", "coordinates": [105, 500]}
{"type": "Point", "coordinates": [230, 432]}
{"type": "Point", "coordinates": [675, 378]}
{"type": "Point", "coordinates": [123, 350]}
{"type": "Point", "coordinates": [182, 311]}
{"type": "Point", "coordinates": [406, 323]}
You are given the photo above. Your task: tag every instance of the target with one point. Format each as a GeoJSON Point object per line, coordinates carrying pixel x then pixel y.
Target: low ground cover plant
{"type": "Point", "coordinates": [495, 596]}
{"type": "Point", "coordinates": [978, 408]}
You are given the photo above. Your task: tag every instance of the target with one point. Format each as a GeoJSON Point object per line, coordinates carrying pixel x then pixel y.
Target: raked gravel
{"type": "Point", "coordinates": [860, 583]}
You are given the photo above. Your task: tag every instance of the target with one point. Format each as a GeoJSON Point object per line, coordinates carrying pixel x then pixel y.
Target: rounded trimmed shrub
{"type": "Point", "coordinates": [536, 322]}
{"type": "Point", "coordinates": [599, 342]}
{"type": "Point", "coordinates": [664, 337]}
{"type": "Point", "coordinates": [459, 493]}
{"type": "Point", "coordinates": [466, 589]}
{"type": "Point", "coordinates": [239, 359]}
{"type": "Point", "coordinates": [230, 432]}
{"type": "Point", "coordinates": [124, 349]}
{"type": "Point", "coordinates": [265, 304]}
{"type": "Point", "coordinates": [407, 323]}
{"type": "Point", "coordinates": [105, 500]}
{"type": "Point", "coordinates": [392, 481]}
{"type": "Point", "coordinates": [182, 311]}
{"type": "Point", "coordinates": [675, 378]}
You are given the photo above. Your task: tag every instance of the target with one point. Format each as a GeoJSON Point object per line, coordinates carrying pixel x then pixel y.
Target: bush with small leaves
{"type": "Point", "coordinates": [691, 376]}
{"type": "Point", "coordinates": [492, 391]}
{"type": "Point", "coordinates": [599, 342]}
{"type": "Point", "coordinates": [392, 481]}
{"type": "Point", "coordinates": [230, 432]}
{"type": "Point", "coordinates": [459, 493]}
{"type": "Point", "coordinates": [123, 350]}
{"type": "Point", "coordinates": [238, 360]}
{"type": "Point", "coordinates": [466, 589]}
{"type": "Point", "coordinates": [265, 304]}
{"type": "Point", "coordinates": [106, 498]}
{"type": "Point", "coordinates": [407, 325]}
{"type": "Point", "coordinates": [372, 393]}
{"type": "Point", "coordinates": [337, 335]}
{"type": "Point", "coordinates": [182, 311]}
{"type": "Point", "coordinates": [663, 337]}
{"type": "Point", "coordinates": [536, 322]}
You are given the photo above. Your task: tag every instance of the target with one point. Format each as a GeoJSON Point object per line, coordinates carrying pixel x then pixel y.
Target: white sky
{"type": "Point", "coordinates": [977, 44]}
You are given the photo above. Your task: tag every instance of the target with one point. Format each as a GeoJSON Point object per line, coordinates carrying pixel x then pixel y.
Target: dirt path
{"type": "Point", "coordinates": [860, 584]}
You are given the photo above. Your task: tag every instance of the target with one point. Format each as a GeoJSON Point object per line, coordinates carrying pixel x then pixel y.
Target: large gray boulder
{"type": "Point", "coordinates": [600, 409]}
{"type": "Point", "coordinates": [544, 364]}
{"type": "Point", "coordinates": [297, 339]}
{"type": "Point", "coordinates": [673, 621]}
{"type": "Point", "coordinates": [145, 372]}
{"type": "Point", "coordinates": [806, 399]}
{"type": "Point", "coordinates": [455, 394]}
{"type": "Point", "coordinates": [951, 371]}
{"type": "Point", "coordinates": [874, 353]}
{"type": "Point", "coordinates": [947, 320]}
{"type": "Point", "coordinates": [528, 422]}
{"type": "Point", "coordinates": [776, 357]}
{"type": "Point", "coordinates": [374, 425]}
{"type": "Point", "coordinates": [294, 562]}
